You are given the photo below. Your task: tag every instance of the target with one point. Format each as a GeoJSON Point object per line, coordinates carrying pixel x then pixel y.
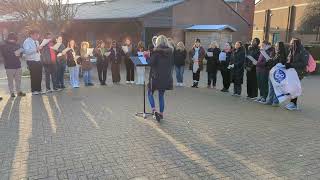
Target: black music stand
{"type": "Point", "coordinates": [141, 61]}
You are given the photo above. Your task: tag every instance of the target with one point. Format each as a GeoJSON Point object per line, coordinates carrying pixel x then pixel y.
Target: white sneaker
{"type": "Point", "coordinates": [132, 82]}
{"type": "Point", "coordinates": [49, 91]}
{"type": "Point", "coordinates": [128, 82]}
{"type": "Point", "coordinates": [35, 93]}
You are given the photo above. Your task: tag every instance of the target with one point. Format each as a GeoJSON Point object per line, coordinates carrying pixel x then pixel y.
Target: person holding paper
{"type": "Point", "coordinates": [252, 83]}
{"type": "Point", "coordinates": [32, 55]}
{"type": "Point", "coordinates": [224, 61]}
{"type": "Point", "coordinates": [49, 62]}
{"type": "Point", "coordinates": [129, 51]}
{"type": "Point", "coordinates": [61, 63]}
{"type": "Point", "coordinates": [86, 64]}
{"type": "Point", "coordinates": [297, 59]}
{"type": "Point", "coordinates": [237, 67]}
{"type": "Point", "coordinates": [72, 63]}
{"type": "Point", "coordinates": [212, 57]}
{"type": "Point", "coordinates": [180, 56]}
{"type": "Point", "coordinates": [100, 53]}
{"type": "Point", "coordinates": [140, 69]}
{"type": "Point", "coordinates": [197, 55]}
{"type": "Point", "coordinates": [279, 57]}
{"type": "Point", "coordinates": [267, 52]}
{"type": "Point", "coordinates": [116, 54]}
{"type": "Point", "coordinates": [11, 53]}
{"type": "Point", "coordinates": [160, 77]}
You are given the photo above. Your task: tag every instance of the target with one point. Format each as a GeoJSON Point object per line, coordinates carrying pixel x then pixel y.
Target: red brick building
{"type": "Point", "coordinates": [276, 20]}
{"type": "Point", "coordinates": [142, 19]}
{"type": "Point", "coordinates": [244, 7]}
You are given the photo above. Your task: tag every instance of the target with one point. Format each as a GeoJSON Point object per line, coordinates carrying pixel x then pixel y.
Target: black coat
{"type": "Point", "coordinates": [160, 77]}
{"type": "Point", "coordinates": [11, 61]}
{"type": "Point", "coordinates": [278, 58]}
{"type": "Point", "coordinates": [102, 60]}
{"type": "Point", "coordinates": [71, 62]}
{"type": "Point", "coordinates": [253, 51]}
{"type": "Point", "coordinates": [213, 62]}
{"type": "Point", "coordinates": [179, 57]}
{"type": "Point", "coordinates": [298, 61]}
{"type": "Point", "coordinates": [238, 59]}
{"type": "Point", "coordinates": [116, 58]}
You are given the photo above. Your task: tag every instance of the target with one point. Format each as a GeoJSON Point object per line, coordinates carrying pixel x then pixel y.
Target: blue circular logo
{"type": "Point", "coordinates": [279, 75]}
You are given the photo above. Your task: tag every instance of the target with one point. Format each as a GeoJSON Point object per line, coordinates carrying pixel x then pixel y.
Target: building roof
{"type": "Point", "coordinates": [121, 9]}
{"type": "Point", "coordinates": [217, 27]}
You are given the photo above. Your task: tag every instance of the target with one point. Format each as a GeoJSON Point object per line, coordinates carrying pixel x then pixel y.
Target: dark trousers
{"type": "Point", "coordinates": [252, 83]}
{"type": "Point", "coordinates": [130, 70]}
{"type": "Point", "coordinates": [51, 75]}
{"type": "Point", "coordinates": [196, 76]}
{"type": "Point", "coordinates": [226, 78]}
{"type": "Point", "coordinates": [115, 69]}
{"type": "Point", "coordinates": [35, 68]}
{"type": "Point", "coordinates": [102, 73]}
{"type": "Point", "coordinates": [263, 84]}
{"type": "Point", "coordinates": [237, 88]}
{"type": "Point", "coordinates": [212, 78]}
{"type": "Point", "coordinates": [61, 68]}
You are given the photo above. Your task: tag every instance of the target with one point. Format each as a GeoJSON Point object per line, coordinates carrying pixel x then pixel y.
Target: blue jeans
{"type": "Point", "coordinates": [74, 76]}
{"type": "Point", "coordinates": [61, 68]}
{"type": "Point", "coordinates": [87, 77]}
{"type": "Point", "coordinates": [179, 73]}
{"type": "Point", "coordinates": [272, 98]}
{"type": "Point", "coordinates": [161, 100]}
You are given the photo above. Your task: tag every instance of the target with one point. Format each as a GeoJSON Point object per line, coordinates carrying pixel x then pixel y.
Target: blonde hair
{"type": "Point", "coordinates": [85, 43]}
{"type": "Point", "coordinates": [180, 46]}
{"type": "Point", "coordinates": [162, 41]}
{"type": "Point", "coordinates": [214, 44]}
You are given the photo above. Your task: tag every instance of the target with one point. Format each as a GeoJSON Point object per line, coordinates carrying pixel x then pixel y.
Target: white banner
{"type": "Point", "coordinates": [286, 82]}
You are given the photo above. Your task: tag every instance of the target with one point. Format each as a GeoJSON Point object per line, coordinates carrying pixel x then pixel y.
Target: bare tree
{"type": "Point", "coordinates": [53, 15]}
{"type": "Point", "coordinates": [311, 19]}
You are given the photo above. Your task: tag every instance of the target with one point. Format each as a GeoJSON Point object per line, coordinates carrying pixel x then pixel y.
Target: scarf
{"type": "Point", "coordinates": [52, 53]}
{"type": "Point", "coordinates": [196, 54]}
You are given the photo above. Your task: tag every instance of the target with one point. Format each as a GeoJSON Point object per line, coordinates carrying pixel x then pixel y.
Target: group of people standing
{"type": "Point", "coordinates": [53, 56]}
{"type": "Point", "coordinates": [233, 62]}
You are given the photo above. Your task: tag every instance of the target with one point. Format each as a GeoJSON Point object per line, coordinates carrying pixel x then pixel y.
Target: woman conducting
{"type": "Point", "coordinates": [160, 78]}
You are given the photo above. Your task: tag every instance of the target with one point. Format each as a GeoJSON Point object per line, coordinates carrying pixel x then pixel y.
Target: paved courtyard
{"type": "Point", "coordinates": [92, 133]}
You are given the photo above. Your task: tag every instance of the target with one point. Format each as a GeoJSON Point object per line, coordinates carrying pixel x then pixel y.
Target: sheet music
{"type": "Point", "coordinates": [90, 51]}
{"type": "Point", "coordinates": [66, 50]}
{"type": "Point", "coordinates": [45, 42]}
{"type": "Point", "coordinates": [56, 46]}
{"type": "Point", "coordinates": [252, 60]}
{"type": "Point", "coordinates": [265, 55]}
{"type": "Point", "coordinates": [143, 60]}
{"type": "Point", "coordinates": [18, 52]}
{"type": "Point", "coordinates": [209, 54]}
{"type": "Point", "coordinates": [222, 56]}
{"type": "Point", "coordinates": [140, 54]}
{"type": "Point", "coordinates": [125, 49]}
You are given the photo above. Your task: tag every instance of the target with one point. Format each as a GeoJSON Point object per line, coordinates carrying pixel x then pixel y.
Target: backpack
{"type": "Point", "coordinates": [312, 64]}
